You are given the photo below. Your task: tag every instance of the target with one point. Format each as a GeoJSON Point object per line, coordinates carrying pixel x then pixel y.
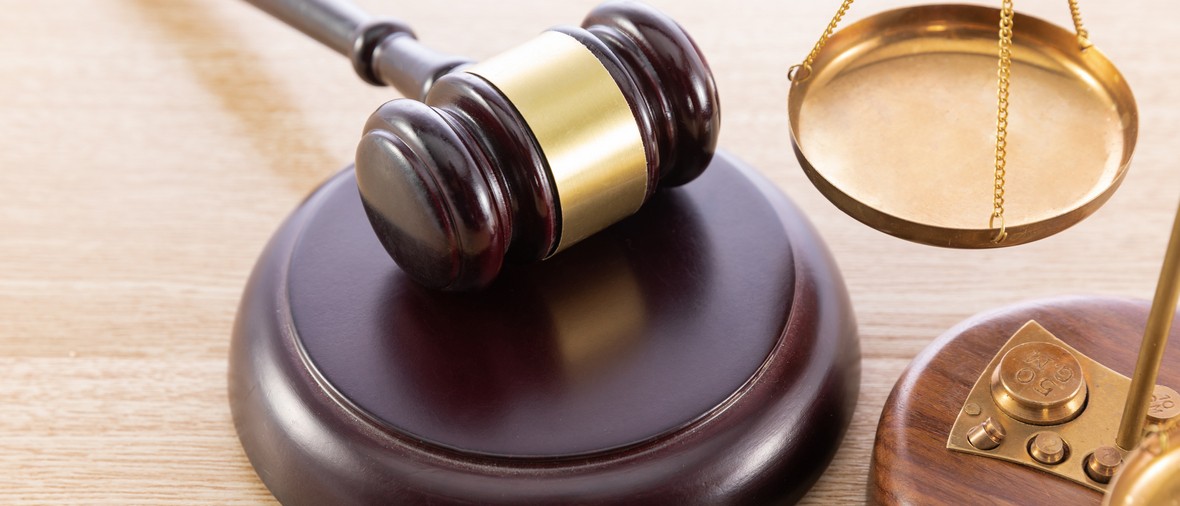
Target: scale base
{"type": "Point", "coordinates": [911, 462]}
{"type": "Point", "coordinates": [702, 351]}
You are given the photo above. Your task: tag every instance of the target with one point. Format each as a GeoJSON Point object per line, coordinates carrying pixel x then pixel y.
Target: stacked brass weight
{"type": "Point", "coordinates": [962, 126]}
{"type": "Point", "coordinates": [1052, 400]}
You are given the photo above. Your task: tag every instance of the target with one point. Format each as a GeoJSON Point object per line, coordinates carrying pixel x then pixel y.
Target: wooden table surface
{"type": "Point", "coordinates": [148, 149]}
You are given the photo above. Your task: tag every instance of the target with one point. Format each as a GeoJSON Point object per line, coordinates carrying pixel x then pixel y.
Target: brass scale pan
{"type": "Point", "coordinates": [896, 125]}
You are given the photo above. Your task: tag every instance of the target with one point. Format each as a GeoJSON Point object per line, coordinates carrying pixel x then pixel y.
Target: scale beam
{"type": "Point", "coordinates": [1155, 339]}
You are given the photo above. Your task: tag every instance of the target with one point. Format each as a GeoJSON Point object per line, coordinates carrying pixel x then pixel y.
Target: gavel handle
{"type": "Point", "coordinates": [332, 22]}
{"type": "Point", "coordinates": [383, 52]}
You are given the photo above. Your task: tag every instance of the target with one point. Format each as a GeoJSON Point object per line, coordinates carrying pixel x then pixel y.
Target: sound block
{"type": "Point", "coordinates": [703, 351]}
{"type": "Point", "coordinates": [911, 463]}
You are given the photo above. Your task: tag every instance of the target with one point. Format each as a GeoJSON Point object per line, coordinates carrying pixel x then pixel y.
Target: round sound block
{"type": "Point", "coordinates": [911, 463]}
{"type": "Point", "coordinates": [701, 351]}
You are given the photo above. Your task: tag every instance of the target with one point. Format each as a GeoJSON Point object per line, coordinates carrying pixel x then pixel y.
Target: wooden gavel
{"type": "Point", "coordinates": [527, 153]}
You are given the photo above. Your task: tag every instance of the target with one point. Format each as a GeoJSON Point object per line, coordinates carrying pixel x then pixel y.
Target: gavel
{"type": "Point", "coordinates": [523, 155]}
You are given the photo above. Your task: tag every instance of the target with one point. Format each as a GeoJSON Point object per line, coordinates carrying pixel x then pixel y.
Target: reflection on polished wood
{"type": "Point", "coordinates": [150, 148]}
{"type": "Point", "coordinates": [729, 381]}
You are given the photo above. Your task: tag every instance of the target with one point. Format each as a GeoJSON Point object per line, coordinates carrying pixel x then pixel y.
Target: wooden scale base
{"type": "Point", "coordinates": [911, 463]}
{"type": "Point", "coordinates": [703, 351]}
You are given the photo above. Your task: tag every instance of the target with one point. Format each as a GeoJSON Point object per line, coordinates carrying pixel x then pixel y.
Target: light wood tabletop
{"type": "Point", "coordinates": [149, 148]}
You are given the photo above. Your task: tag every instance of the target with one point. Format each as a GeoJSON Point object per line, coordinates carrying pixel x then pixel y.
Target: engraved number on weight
{"type": "Point", "coordinates": [1162, 403]}
{"type": "Point", "coordinates": [1025, 375]}
{"type": "Point", "coordinates": [1045, 387]}
{"type": "Point", "coordinates": [1037, 359]}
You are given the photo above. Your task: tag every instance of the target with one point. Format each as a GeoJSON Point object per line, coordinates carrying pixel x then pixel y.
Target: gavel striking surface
{"type": "Point", "coordinates": [702, 351]}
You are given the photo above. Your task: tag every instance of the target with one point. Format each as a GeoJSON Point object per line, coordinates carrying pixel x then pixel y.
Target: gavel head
{"type": "Point", "coordinates": [527, 153]}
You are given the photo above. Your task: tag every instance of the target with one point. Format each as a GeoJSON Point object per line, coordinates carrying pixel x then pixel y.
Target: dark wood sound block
{"type": "Point", "coordinates": [911, 464]}
{"type": "Point", "coordinates": [703, 351]}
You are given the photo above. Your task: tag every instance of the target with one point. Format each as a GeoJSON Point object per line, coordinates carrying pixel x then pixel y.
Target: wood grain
{"type": "Point", "coordinates": [149, 148]}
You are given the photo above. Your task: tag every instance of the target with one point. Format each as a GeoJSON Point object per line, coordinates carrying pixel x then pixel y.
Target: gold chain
{"type": "Point", "coordinates": [1083, 34]}
{"type": "Point", "coordinates": [794, 72]}
{"type": "Point", "coordinates": [1003, 73]}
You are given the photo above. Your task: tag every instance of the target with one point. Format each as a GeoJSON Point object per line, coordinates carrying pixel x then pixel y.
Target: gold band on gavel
{"type": "Point", "coordinates": [584, 126]}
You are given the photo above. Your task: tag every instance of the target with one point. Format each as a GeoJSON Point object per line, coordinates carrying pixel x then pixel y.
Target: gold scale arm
{"type": "Point", "coordinates": [1155, 339]}
{"type": "Point", "coordinates": [802, 71]}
